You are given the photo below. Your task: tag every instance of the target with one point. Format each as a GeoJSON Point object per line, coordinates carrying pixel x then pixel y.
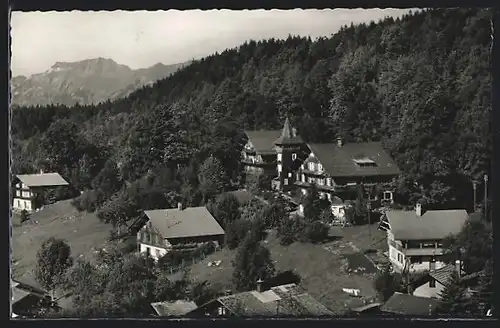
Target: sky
{"type": "Point", "coordinates": [143, 38]}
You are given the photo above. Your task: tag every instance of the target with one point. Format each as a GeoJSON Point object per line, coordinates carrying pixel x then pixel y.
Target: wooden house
{"type": "Point", "coordinates": [178, 228]}
{"type": "Point", "coordinates": [29, 187]}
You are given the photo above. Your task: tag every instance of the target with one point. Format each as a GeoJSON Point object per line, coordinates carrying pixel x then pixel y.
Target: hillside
{"type": "Point", "coordinates": [420, 84]}
{"type": "Point", "coordinates": [85, 82]}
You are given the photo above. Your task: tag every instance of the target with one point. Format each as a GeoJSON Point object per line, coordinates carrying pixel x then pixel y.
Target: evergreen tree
{"type": "Point", "coordinates": [454, 300]}
{"type": "Point", "coordinates": [252, 262]}
{"type": "Point", "coordinates": [213, 178]}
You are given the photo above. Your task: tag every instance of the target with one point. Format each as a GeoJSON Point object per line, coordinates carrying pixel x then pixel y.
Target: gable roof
{"type": "Point", "coordinates": [443, 275]}
{"type": "Point", "coordinates": [410, 305]}
{"type": "Point", "coordinates": [288, 135]}
{"type": "Point", "coordinates": [263, 141]}
{"type": "Point", "coordinates": [340, 161]}
{"type": "Point", "coordinates": [283, 300]}
{"type": "Point", "coordinates": [188, 222]}
{"type": "Point", "coordinates": [432, 225]}
{"type": "Point", "coordinates": [177, 308]}
{"type": "Point", "coordinates": [42, 180]}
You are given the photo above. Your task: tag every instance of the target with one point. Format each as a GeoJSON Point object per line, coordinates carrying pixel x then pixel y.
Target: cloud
{"type": "Point", "coordinates": [144, 38]}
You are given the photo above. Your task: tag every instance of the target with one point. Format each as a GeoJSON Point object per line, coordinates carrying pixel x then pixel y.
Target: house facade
{"type": "Point", "coordinates": [335, 168]}
{"type": "Point", "coordinates": [415, 239]}
{"type": "Point", "coordinates": [28, 189]}
{"type": "Point", "coordinates": [177, 228]}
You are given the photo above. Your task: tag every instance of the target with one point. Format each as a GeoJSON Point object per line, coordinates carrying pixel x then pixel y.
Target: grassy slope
{"type": "Point", "coordinates": [83, 232]}
{"type": "Point", "coordinates": [322, 268]}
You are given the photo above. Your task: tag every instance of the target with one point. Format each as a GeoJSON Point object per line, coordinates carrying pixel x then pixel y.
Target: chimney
{"type": "Point", "coordinates": [259, 285]}
{"type": "Point", "coordinates": [340, 141]}
{"type": "Point", "coordinates": [458, 267]}
{"type": "Point", "coordinates": [418, 209]}
{"type": "Point", "coordinates": [179, 206]}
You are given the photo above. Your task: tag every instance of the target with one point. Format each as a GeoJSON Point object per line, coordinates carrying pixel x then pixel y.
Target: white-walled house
{"type": "Point", "coordinates": [167, 229]}
{"type": "Point", "coordinates": [416, 239]}
{"type": "Point", "coordinates": [28, 185]}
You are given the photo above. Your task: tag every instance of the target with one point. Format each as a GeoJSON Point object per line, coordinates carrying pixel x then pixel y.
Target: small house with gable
{"type": "Point", "coordinates": [415, 239]}
{"type": "Point", "coordinates": [177, 228]}
{"type": "Point", "coordinates": [29, 187]}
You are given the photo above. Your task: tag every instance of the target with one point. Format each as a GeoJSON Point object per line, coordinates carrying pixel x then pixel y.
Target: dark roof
{"type": "Point", "coordinates": [263, 141]}
{"type": "Point", "coordinates": [42, 180]}
{"type": "Point", "coordinates": [189, 222]}
{"type": "Point", "coordinates": [340, 161]}
{"type": "Point", "coordinates": [173, 309]}
{"type": "Point", "coordinates": [284, 300]}
{"type": "Point", "coordinates": [409, 305]}
{"type": "Point", "coordinates": [442, 275]}
{"type": "Point", "coordinates": [367, 307]}
{"type": "Point", "coordinates": [242, 196]}
{"type": "Point", "coordinates": [288, 135]}
{"type": "Point", "coordinates": [432, 225]}
{"type": "Point", "coordinates": [21, 290]}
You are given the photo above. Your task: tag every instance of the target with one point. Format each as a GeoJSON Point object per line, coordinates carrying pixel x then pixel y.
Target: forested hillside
{"type": "Point", "coordinates": [421, 85]}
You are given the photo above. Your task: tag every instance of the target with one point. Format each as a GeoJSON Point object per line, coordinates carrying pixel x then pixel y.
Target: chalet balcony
{"type": "Point", "coordinates": [302, 184]}
{"type": "Point", "coordinates": [251, 162]}
{"type": "Point", "coordinates": [319, 173]}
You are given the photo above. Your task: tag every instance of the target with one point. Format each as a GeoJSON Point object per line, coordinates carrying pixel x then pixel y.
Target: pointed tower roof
{"type": "Point", "coordinates": [288, 135]}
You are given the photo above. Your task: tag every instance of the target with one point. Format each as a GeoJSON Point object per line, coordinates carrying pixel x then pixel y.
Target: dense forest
{"type": "Point", "coordinates": [420, 84]}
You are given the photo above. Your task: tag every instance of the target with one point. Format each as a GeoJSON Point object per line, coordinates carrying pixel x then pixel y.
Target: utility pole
{"type": "Point", "coordinates": [486, 196]}
{"type": "Point", "coordinates": [474, 187]}
{"type": "Point", "coordinates": [368, 206]}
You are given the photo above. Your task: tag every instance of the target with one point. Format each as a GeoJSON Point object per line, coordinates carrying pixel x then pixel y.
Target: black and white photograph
{"type": "Point", "coordinates": [302, 163]}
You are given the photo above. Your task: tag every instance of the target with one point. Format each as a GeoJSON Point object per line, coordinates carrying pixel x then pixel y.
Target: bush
{"type": "Point", "coordinates": [316, 232]}
{"type": "Point", "coordinates": [291, 230]}
{"type": "Point", "coordinates": [128, 245]}
{"type": "Point", "coordinates": [236, 232]}
{"type": "Point", "coordinates": [89, 201]}
{"type": "Point", "coordinates": [24, 216]}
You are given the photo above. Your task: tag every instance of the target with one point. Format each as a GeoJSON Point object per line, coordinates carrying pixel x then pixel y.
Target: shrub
{"type": "Point", "coordinates": [24, 216]}
{"type": "Point", "coordinates": [236, 231]}
{"type": "Point", "coordinates": [316, 232]}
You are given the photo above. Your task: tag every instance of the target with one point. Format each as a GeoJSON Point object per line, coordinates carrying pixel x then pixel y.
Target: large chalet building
{"type": "Point", "coordinates": [335, 168]}
{"type": "Point", "coordinates": [415, 238]}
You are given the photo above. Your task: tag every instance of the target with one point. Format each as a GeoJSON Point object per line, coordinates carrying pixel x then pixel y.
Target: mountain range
{"type": "Point", "coordinates": [85, 82]}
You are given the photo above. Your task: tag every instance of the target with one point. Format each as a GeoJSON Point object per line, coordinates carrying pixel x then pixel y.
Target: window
{"type": "Point", "coordinates": [303, 178]}
{"type": "Point", "coordinates": [416, 259]}
{"type": "Point", "coordinates": [320, 167]}
{"type": "Point", "coordinates": [387, 195]}
{"type": "Point", "coordinates": [290, 174]}
{"type": "Point", "coordinates": [320, 182]}
{"type": "Point", "coordinates": [148, 250]}
{"type": "Point", "coordinates": [279, 167]}
{"type": "Point", "coordinates": [432, 283]}
{"type": "Point", "coordinates": [18, 193]}
{"type": "Point", "coordinates": [285, 182]}
{"type": "Point", "coordinates": [294, 156]}
{"type": "Point", "coordinates": [279, 157]}
{"type": "Point", "coordinates": [432, 266]}
{"type": "Point", "coordinates": [312, 166]}
{"type": "Point", "coordinates": [25, 204]}
{"type": "Point", "coordinates": [18, 203]}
